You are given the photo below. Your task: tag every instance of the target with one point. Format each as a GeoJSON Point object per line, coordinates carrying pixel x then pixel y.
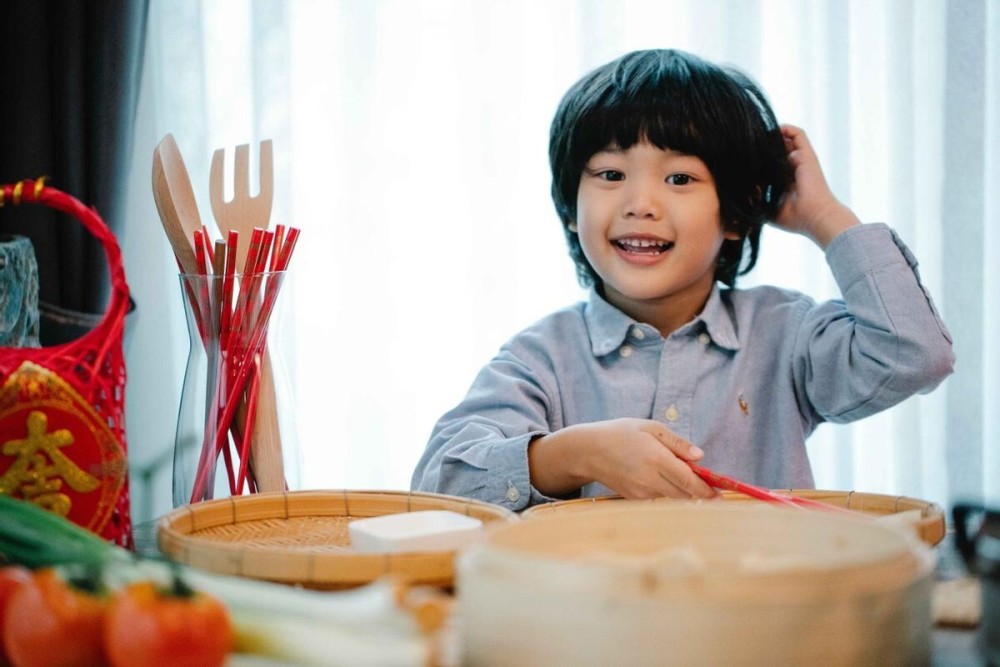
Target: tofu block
{"type": "Point", "coordinates": [428, 530]}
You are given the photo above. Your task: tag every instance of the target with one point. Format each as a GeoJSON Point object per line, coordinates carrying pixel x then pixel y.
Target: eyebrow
{"type": "Point", "coordinates": [618, 150]}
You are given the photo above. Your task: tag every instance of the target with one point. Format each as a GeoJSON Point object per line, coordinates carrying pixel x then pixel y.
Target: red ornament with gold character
{"type": "Point", "coordinates": [62, 408]}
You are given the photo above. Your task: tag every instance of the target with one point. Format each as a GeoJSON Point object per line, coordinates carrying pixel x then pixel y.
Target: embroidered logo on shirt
{"type": "Point", "coordinates": [744, 406]}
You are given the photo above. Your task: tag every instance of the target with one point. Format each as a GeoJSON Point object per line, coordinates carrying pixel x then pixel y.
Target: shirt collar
{"type": "Point", "coordinates": [720, 321]}
{"type": "Point", "coordinates": [608, 326]}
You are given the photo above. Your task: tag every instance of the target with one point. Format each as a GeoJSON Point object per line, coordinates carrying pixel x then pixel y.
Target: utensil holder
{"type": "Point", "coordinates": [235, 424]}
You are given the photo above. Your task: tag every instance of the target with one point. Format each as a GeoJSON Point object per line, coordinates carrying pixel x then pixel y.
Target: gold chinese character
{"type": "Point", "coordinates": [39, 465]}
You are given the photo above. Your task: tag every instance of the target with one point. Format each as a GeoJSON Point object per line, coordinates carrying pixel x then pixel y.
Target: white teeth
{"type": "Point", "coordinates": [642, 243]}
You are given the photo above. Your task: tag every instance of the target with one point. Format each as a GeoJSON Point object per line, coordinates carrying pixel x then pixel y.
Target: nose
{"type": "Point", "coordinates": [641, 202]}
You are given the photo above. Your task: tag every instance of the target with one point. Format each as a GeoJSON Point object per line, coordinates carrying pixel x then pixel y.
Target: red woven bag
{"type": "Point", "coordinates": [62, 408]}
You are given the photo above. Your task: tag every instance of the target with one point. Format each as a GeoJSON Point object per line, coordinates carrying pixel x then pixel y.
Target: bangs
{"type": "Point", "coordinates": [653, 109]}
{"type": "Point", "coordinates": [680, 103]}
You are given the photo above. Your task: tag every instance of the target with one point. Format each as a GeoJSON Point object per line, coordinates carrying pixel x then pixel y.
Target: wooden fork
{"type": "Point", "coordinates": [242, 214]}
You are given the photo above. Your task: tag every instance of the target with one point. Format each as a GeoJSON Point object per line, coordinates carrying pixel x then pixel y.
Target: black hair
{"type": "Point", "coordinates": [679, 101]}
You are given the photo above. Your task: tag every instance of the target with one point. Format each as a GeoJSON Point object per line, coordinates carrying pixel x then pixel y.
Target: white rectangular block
{"type": "Point", "coordinates": [429, 530]}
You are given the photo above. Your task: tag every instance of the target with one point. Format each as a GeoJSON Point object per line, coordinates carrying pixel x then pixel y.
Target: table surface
{"type": "Point", "coordinates": [950, 647]}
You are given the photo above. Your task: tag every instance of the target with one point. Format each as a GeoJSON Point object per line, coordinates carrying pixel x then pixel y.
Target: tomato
{"type": "Point", "coordinates": [12, 577]}
{"type": "Point", "coordinates": [147, 625]}
{"type": "Point", "coordinates": [50, 622]}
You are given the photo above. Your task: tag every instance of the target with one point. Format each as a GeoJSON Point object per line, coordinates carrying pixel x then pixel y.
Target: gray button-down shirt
{"type": "Point", "coordinates": [747, 380]}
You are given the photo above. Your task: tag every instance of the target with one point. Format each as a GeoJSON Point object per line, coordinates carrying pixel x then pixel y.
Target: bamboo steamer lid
{"type": "Point", "coordinates": [685, 583]}
{"type": "Point", "coordinates": [926, 518]}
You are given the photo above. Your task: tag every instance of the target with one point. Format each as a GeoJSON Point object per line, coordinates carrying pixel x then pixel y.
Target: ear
{"type": "Point", "coordinates": [731, 232]}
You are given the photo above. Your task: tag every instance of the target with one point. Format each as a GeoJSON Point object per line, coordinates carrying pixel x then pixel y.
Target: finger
{"type": "Point", "coordinates": [795, 157]}
{"type": "Point", "coordinates": [796, 139]}
{"type": "Point", "coordinates": [688, 484]}
{"type": "Point", "coordinates": [791, 131]}
{"type": "Point", "coordinates": [680, 447]}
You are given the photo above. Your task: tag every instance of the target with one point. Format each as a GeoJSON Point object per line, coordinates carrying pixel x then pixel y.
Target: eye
{"type": "Point", "coordinates": [678, 179]}
{"type": "Point", "coordinates": [611, 175]}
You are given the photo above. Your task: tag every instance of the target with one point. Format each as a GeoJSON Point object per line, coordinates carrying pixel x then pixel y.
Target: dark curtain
{"type": "Point", "coordinates": [67, 111]}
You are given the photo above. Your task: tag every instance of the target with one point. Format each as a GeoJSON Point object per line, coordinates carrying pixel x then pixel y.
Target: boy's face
{"type": "Point", "coordinates": [648, 221]}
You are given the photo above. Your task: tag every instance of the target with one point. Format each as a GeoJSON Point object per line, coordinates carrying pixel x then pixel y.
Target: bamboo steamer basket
{"type": "Point", "coordinates": [929, 527]}
{"type": "Point", "coordinates": [687, 583]}
{"type": "Point", "coordinates": [302, 537]}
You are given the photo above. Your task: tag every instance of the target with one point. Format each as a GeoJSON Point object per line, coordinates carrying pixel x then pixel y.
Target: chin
{"type": "Point", "coordinates": [636, 294]}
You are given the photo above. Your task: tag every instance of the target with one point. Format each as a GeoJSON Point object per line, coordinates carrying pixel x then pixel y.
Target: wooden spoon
{"type": "Point", "coordinates": [175, 202]}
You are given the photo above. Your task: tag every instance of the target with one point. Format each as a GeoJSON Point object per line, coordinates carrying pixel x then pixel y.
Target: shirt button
{"type": "Point", "coordinates": [672, 414]}
{"type": "Point", "coordinates": [626, 350]}
{"type": "Point", "coordinates": [513, 494]}
{"type": "Point", "coordinates": [704, 338]}
{"type": "Point", "coordinates": [638, 334]}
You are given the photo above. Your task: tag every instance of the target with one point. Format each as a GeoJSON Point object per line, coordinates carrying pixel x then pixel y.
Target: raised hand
{"type": "Point", "coordinates": [809, 206]}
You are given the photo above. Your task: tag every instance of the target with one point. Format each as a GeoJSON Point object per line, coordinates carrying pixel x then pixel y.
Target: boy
{"type": "Point", "coordinates": [665, 167]}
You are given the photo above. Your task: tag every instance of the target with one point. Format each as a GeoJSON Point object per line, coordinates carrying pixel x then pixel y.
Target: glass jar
{"type": "Point", "coordinates": [235, 424]}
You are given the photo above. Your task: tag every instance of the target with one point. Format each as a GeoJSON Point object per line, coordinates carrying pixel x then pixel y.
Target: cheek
{"type": "Point", "coordinates": [589, 239]}
{"type": "Point", "coordinates": [582, 208]}
{"type": "Point", "coordinates": [593, 243]}
{"type": "Point", "coordinates": [707, 214]}
{"type": "Point", "coordinates": [587, 221]}
{"type": "Point", "coordinates": [591, 200]}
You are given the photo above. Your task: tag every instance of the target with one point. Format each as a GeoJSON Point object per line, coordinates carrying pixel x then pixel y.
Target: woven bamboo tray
{"type": "Point", "coordinates": [301, 537]}
{"type": "Point", "coordinates": [930, 527]}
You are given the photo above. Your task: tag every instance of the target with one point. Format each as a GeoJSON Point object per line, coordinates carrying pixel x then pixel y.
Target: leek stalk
{"type": "Point", "coordinates": [362, 626]}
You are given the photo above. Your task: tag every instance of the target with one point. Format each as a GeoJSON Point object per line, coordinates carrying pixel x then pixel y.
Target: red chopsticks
{"type": "Point", "coordinates": [730, 484]}
{"type": "Point", "coordinates": [233, 321]}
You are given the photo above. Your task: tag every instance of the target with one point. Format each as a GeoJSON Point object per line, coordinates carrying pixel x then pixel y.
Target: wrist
{"type": "Point", "coordinates": [559, 462]}
{"type": "Point", "coordinates": [583, 453]}
{"type": "Point", "coordinates": [831, 222]}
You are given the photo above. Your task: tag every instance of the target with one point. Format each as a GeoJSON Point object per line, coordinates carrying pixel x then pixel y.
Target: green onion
{"type": "Point", "coordinates": [362, 626]}
{"type": "Point", "coordinates": [35, 538]}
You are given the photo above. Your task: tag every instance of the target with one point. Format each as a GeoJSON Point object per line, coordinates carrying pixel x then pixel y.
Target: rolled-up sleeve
{"type": "Point", "coordinates": [882, 343]}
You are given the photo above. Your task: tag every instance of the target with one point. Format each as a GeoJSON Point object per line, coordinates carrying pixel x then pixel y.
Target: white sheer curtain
{"type": "Point", "coordinates": [410, 147]}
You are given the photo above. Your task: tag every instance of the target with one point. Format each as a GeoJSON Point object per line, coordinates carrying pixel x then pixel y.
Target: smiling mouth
{"type": "Point", "coordinates": [643, 246]}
